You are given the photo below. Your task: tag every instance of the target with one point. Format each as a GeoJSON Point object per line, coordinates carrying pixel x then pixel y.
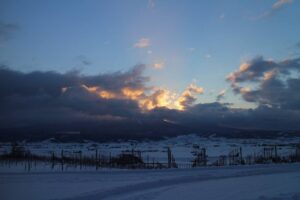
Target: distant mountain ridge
{"type": "Point", "coordinates": [131, 131]}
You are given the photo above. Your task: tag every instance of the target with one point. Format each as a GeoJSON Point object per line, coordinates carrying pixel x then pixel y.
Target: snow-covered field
{"type": "Point", "coordinates": [181, 147]}
{"type": "Point", "coordinates": [257, 182]}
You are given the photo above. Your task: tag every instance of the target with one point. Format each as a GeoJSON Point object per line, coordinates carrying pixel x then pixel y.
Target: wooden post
{"type": "Point", "coordinates": [241, 156]}
{"type": "Point", "coordinates": [100, 160]}
{"type": "Point", "coordinates": [110, 164]}
{"type": "Point", "coordinates": [96, 159]}
{"type": "Point", "coordinates": [52, 159]}
{"type": "Point", "coordinates": [62, 160]}
{"type": "Point", "coordinates": [80, 159]}
{"type": "Point", "coordinates": [153, 163]}
{"type": "Point", "coordinates": [169, 157]}
{"type": "Point", "coordinates": [204, 157]}
{"type": "Point", "coordinates": [147, 165]}
{"type": "Point", "coordinates": [28, 160]}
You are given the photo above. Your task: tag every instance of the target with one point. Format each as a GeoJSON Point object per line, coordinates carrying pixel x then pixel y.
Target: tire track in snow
{"type": "Point", "coordinates": [200, 175]}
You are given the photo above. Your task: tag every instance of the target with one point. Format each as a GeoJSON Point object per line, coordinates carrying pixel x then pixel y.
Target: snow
{"type": "Point", "coordinates": [253, 187]}
{"type": "Point", "coordinates": [256, 182]}
{"type": "Point", "coordinates": [181, 147]}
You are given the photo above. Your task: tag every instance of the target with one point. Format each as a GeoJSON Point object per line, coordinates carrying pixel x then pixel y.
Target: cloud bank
{"type": "Point", "coordinates": [119, 95]}
{"type": "Point", "coordinates": [272, 84]}
{"type": "Point", "coordinates": [124, 103]}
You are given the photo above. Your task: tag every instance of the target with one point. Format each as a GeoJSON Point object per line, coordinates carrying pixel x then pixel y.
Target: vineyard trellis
{"type": "Point", "coordinates": [133, 158]}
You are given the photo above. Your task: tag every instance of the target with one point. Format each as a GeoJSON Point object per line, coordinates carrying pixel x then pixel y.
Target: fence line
{"type": "Point", "coordinates": [134, 160]}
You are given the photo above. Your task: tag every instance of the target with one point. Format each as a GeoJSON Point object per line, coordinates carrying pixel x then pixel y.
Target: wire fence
{"type": "Point", "coordinates": [19, 156]}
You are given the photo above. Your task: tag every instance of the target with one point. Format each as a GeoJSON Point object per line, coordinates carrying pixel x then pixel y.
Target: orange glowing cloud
{"type": "Point", "coordinates": [149, 99]}
{"type": "Point", "coordinates": [188, 97]}
{"type": "Point", "coordinates": [106, 94]}
{"type": "Point", "coordinates": [132, 93]}
{"type": "Point", "coordinates": [159, 98]}
{"type": "Point", "coordinates": [269, 74]}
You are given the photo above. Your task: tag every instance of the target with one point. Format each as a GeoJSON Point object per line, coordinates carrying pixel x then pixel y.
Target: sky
{"type": "Point", "coordinates": [176, 54]}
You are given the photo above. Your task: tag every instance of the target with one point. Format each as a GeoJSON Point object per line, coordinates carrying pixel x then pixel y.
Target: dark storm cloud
{"type": "Point", "coordinates": [7, 30]}
{"type": "Point", "coordinates": [262, 117]}
{"type": "Point", "coordinates": [118, 80]}
{"type": "Point", "coordinates": [34, 83]}
{"type": "Point", "coordinates": [79, 99]}
{"type": "Point", "coordinates": [68, 108]}
{"type": "Point", "coordinates": [45, 97]}
{"type": "Point", "coordinates": [256, 68]}
{"type": "Point", "coordinates": [54, 101]}
{"type": "Point", "coordinates": [277, 83]}
{"type": "Point", "coordinates": [188, 101]}
{"type": "Point", "coordinates": [51, 83]}
{"type": "Point", "coordinates": [216, 116]}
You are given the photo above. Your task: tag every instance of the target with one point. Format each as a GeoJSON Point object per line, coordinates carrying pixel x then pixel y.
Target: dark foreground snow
{"type": "Point", "coordinates": [237, 182]}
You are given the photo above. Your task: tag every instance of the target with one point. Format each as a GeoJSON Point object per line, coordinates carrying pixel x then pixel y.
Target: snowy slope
{"type": "Point", "coordinates": [281, 181]}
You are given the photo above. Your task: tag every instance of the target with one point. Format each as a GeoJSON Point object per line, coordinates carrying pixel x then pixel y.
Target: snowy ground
{"type": "Point", "coordinates": [181, 147]}
{"type": "Point", "coordinates": [274, 181]}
